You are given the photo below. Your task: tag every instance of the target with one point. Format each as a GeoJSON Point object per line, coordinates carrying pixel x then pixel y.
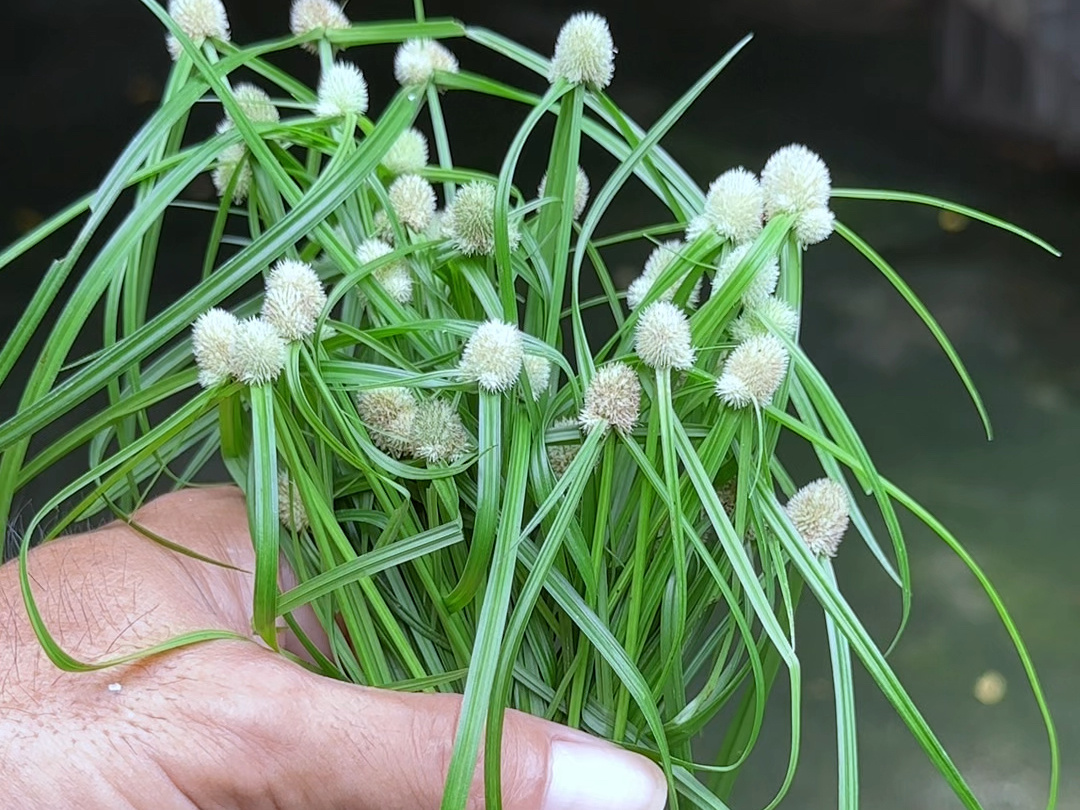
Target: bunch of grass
{"type": "Point", "coordinates": [474, 493]}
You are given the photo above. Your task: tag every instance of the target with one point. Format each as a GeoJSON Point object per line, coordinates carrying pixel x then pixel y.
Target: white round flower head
{"type": "Point", "coordinates": [795, 180]}
{"type": "Point", "coordinates": [734, 205]}
{"type": "Point", "coordinates": [581, 191]}
{"type": "Point", "coordinates": [754, 320]}
{"type": "Point", "coordinates": [382, 227]}
{"type": "Point", "coordinates": [388, 414]}
{"type": "Point", "coordinates": [471, 220]}
{"type": "Point", "coordinates": [538, 372]}
{"type": "Point", "coordinates": [814, 225]}
{"type": "Point", "coordinates": [753, 372]}
{"type": "Point", "coordinates": [438, 434]}
{"type": "Point", "coordinates": [291, 511]}
{"type": "Point", "coordinates": [200, 20]}
{"type": "Point", "coordinates": [584, 51]}
{"type": "Point", "coordinates": [613, 398]}
{"type": "Point", "coordinates": [493, 356]}
{"type": "Point", "coordinates": [761, 286]}
{"type": "Point", "coordinates": [409, 154]}
{"type": "Point", "coordinates": [212, 338]}
{"type": "Point", "coordinates": [662, 255]}
{"type": "Point", "coordinates": [819, 511]}
{"type": "Point", "coordinates": [233, 158]}
{"type": "Point", "coordinates": [306, 16]}
{"type": "Point", "coordinates": [342, 90]}
{"type": "Point", "coordinates": [560, 455]}
{"type": "Point", "coordinates": [256, 105]}
{"type": "Point", "coordinates": [662, 337]}
{"type": "Point", "coordinates": [413, 200]}
{"type": "Point", "coordinates": [394, 277]}
{"type": "Point", "coordinates": [259, 352]}
{"type": "Point", "coordinates": [417, 60]}
{"type": "Point", "coordinates": [294, 299]}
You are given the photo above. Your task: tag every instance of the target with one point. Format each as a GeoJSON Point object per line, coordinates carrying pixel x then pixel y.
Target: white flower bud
{"type": "Point", "coordinates": [659, 260]}
{"type": "Point", "coordinates": [408, 155]}
{"type": "Point", "coordinates": [814, 225]}
{"type": "Point", "coordinates": [259, 353]}
{"type": "Point", "coordinates": [413, 200]}
{"type": "Point", "coordinates": [417, 60]}
{"type": "Point", "coordinates": [342, 90]}
{"type": "Point", "coordinates": [233, 158]}
{"type": "Point", "coordinates": [560, 455]}
{"type": "Point", "coordinates": [256, 105]}
{"type": "Point", "coordinates": [584, 51]}
{"type": "Point", "coordinates": [734, 206]}
{"type": "Point", "coordinates": [581, 191]}
{"type": "Point", "coordinates": [613, 398]}
{"type": "Point", "coordinates": [212, 339]}
{"type": "Point", "coordinates": [438, 434]}
{"type": "Point", "coordinates": [471, 220]}
{"type": "Point", "coordinates": [493, 356]}
{"type": "Point", "coordinates": [761, 286]}
{"type": "Point", "coordinates": [662, 337]}
{"type": "Point", "coordinates": [394, 277]}
{"type": "Point", "coordinates": [795, 180]}
{"type": "Point", "coordinates": [783, 317]}
{"type": "Point", "coordinates": [315, 15]}
{"type": "Point", "coordinates": [753, 372]}
{"type": "Point", "coordinates": [291, 510]}
{"type": "Point", "coordinates": [294, 299]}
{"type": "Point", "coordinates": [200, 20]}
{"type": "Point", "coordinates": [819, 511]}
{"type": "Point", "coordinates": [388, 414]}
{"type": "Point", "coordinates": [538, 371]}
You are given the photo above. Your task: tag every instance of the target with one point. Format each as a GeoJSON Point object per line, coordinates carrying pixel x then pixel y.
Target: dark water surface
{"type": "Point", "coordinates": [1012, 311]}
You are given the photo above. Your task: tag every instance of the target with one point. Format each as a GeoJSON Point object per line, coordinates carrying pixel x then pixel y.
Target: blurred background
{"type": "Point", "coordinates": [974, 100]}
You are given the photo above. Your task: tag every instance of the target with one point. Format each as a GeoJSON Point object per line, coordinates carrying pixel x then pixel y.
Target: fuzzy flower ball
{"type": "Point", "coordinates": [814, 225]}
{"type": "Point", "coordinates": [231, 160]}
{"type": "Point", "coordinates": [471, 220]}
{"type": "Point", "coordinates": [584, 51]}
{"type": "Point", "coordinates": [770, 311]}
{"type": "Point", "coordinates": [258, 352]}
{"type": "Point", "coordinates": [256, 105]}
{"type": "Point", "coordinates": [200, 20]}
{"type": "Point", "coordinates": [212, 339]}
{"type": "Point", "coordinates": [753, 372]}
{"type": "Point", "coordinates": [493, 356]}
{"type": "Point", "coordinates": [417, 60]}
{"type": "Point", "coordinates": [560, 455]}
{"type": "Point", "coordinates": [388, 414]}
{"type": "Point", "coordinates": [581, 191]}
{"type": "Point", "coordinates": [408, 155]}
{"type": "Point", "coordinates": [733, 207]}
{"type": "Point", "coordinates": [538, 372]}
{"type": "Point", "coordinates": [413, 200]}
{"type": "Point", "coordinates": [342, 90]}
{"type": "Point", "coordinates": [761, 286]}
{"type": "Point", "coordinates": [819, 511]}
{"type": "Point", "coordinates": [795, 180]}
{"type": "Point", "coordinates": [662, 337]}
{"type": "Point", "coordinates": [294, 298]}
{"type": "Point", "coordinates": [394, 277]}
{"type": "Point", "coordinates": [613, 398]}
{"type": "Point", "coordinates": [291, 511]}
{"type": "Point", "coordinates": [306, 16]}
{"type": "Point", "coordinates": [662, 256]}
{"type": "Point", "coordinates": [438, 434]}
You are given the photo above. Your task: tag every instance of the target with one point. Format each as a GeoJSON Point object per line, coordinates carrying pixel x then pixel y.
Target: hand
{"type": "Point", "coordinates": [231, 724]}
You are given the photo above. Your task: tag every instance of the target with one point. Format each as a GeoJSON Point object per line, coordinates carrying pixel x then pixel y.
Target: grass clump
{"type": "Point", "coordinates": [390, 357]}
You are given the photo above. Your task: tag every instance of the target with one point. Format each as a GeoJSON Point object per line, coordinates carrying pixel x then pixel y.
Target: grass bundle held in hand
{"type": "Point", "coordinates": [474, 497]}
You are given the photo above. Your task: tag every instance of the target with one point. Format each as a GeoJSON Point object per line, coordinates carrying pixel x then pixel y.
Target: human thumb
{"type": "Point", "coordinates": [378, 750]}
